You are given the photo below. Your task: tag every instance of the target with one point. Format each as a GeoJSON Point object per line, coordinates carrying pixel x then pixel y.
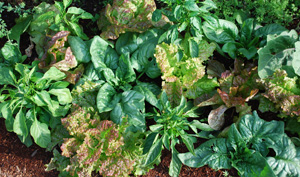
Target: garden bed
{"type": "Point", "coordinates": [190, 86]}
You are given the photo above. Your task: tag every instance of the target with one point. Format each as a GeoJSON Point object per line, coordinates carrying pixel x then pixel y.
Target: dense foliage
{"type": "Point", "coordinates": [152, 79]}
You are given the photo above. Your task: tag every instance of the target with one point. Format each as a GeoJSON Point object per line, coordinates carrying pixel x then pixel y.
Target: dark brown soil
{"type": "Point", "coordinates": [16, 160]}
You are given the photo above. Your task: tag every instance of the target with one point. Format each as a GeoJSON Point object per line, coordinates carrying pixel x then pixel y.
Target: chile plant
{"type": "Point", "coordinates": [170, 129]}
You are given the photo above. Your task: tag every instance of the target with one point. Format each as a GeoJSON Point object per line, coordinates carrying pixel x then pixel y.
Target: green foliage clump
{"type": "Point", "coordinates": [31, 101]}
{"type": "Point", "coordinates": [264, 11]}
{"type": "Point", "coordinates": [96, 145]}
{"type": "Point", "coordinates": [246, 147]}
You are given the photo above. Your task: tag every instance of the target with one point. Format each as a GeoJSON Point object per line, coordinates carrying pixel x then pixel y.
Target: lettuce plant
{"type": "Point", "coordinates": [96, 145]}
{"type": "Point", "coordinates": [61, 57]}
{"type": "Point", "coordinates": [183, 72]}
{"type": "Point", "coordinates": [170, 129]}
{"type": "Point", "coordinates": [237, 87]}
{"type": "Point", "coordinates": [246, 147]}
{"type": "Point", "coordinates": [283, 92]}
{"type": "Point", "coordinates": [127, 16]}
{"type": "Point", "coordinates": [31, 101]}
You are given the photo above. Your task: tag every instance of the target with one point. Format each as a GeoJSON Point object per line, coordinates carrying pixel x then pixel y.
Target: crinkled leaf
{"type": "Point", "coordinates": [132, 105]}
{"type": "Point", "coordinates": [105, 98]}
{"type": "Point", "coordinates": [287, 159]}
{"type": "Point", "coordinates": [278, 52]}
{"type": "Point", "coordinates": [213, 152]}
{"type": "Point", "coordinates": [216, 118]}
{"type": "Point", "coordinates": [259, 133]}
{"type": "Point", "coordinates": [253, 164]}
{"type": "Point", "coordinates": [125, 70]}
{"type": "Point", "coordinates": [122, 16]}
{"type": "Point", "coordinates": [283, 92]}
{"type": "Point", "coordinates": [68, 62]}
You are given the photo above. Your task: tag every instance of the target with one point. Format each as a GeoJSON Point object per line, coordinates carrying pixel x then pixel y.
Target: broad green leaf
{"type": "Point", "coordinates": [156, 127]}
{"type": "Point", "coordinates": [270, 29]}
{"type": "Point", "coordinates": [287, 159]}
{"type": "Point", "coordinates": [191, 5]}
{"type": "Point", "coordinates": [79, 49]}
{"type": "Point", "coordinates": [126, 43]}
{"type": "Point", "coordinates": [63, 95]}
{"type": "Point", "coordinates": [7, 76]}
{"type": "Point", "coordinates": [195, 124]}
{"type": "Point", "coordinates": [117, 114]}
{"type": "Point", "coordinates": [125, 70]}
{"type": "Point", "coordinates": [150, 97]}
{"type": "Point", "coordinates": [97, 49]}
{"type": "Point", "coordinates": [57, 110]}
{"type": "Point", "coordinates": [156, 16]}
{"type": "Point", "coordinates": [40, 133]}
{"type": "Point", "coordinates": [105, 98]}
{"type": "Point", "coordinates": [213, 152]}
{"type": "Point", "coordinates": [132, 105]}
{"type": "Point", "coordinates": [278, 52]}
{"type": "Point", "coordinates": [21, 26]}
{"type": "Point", "coordinates": [154, 152]}
{"type": "Point", "coordinates": [252, 164]}
{"type": "Point", "coordinates": [20, 127]}
{"type": "Point", "coordinates": [250, 53]}
{"type": "Point", "coordinates": [67, 3]}
{"type": "Point", "coordinates": [54, 74]}
{"type": "Point", "coordinates": [296, 60]}
{"type": "Point", "coordinates": [11, 53]}
{"type": "Point", "coordinates": [230, 48]}
{"type": "Point", "coordinates": [258, 133]}
{"type": "Point", "coordinates": [223, 32]}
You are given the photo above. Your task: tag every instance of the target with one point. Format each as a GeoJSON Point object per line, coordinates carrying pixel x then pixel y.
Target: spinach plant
{"type": "Point", "coordinates": [246, 148]}
{"type": "Point", "coordinates": [31, 101]}
{"type": "Point", "coordinates": [122, 94]}
{"type": "Point", "coordinates": [171, 129]}
{"type": "Point", "coordinates": [239, 42]}
{"type": "Point", "coordinates": [186, 15]}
